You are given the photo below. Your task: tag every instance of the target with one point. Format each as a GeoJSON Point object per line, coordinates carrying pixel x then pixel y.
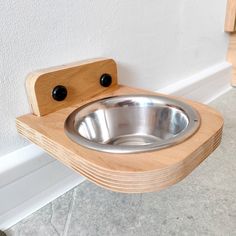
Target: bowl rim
{"type": "Point", "coordinates": [194, 121]}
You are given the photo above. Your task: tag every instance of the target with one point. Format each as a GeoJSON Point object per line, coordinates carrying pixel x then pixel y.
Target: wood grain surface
{"type": "Point", "coordinates": [82, 80]}
{"type": "Point", "coordinates": [130, 173]}
{"type": "Point", "coordinates": [230, 18]}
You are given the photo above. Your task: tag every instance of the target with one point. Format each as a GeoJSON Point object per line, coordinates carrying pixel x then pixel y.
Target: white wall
{"type": "Point", "coordinates": [155, 42]}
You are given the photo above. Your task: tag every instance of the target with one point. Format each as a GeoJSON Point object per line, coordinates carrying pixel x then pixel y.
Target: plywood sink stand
{"type": "Point", "coordinates": [130, 173]}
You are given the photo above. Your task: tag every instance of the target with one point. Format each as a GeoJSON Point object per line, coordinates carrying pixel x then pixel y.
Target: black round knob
{"type": "Point", "coordinates": [106, 80]}
{"type": "Point", "coordinates": [59, 93]}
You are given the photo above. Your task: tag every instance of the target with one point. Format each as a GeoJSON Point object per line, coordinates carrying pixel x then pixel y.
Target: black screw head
{"type": "Point", "coordinates": [59, 93]}
{"type": "Point", "coordinates": [106, 80]}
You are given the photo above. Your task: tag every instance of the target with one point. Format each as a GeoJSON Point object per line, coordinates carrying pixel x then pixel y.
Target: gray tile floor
{"type": "Point", "coordinates": [204, 203]}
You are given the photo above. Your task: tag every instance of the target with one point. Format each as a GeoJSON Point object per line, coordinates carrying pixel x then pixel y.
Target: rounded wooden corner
{"type": "Point", "coordinates": [74, 76]}
{"type": "Point", "coordinates": [129, 173]}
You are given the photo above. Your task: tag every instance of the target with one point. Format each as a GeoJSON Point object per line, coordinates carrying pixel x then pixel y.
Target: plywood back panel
{"type": "Point", "coordinates": [82, 80]}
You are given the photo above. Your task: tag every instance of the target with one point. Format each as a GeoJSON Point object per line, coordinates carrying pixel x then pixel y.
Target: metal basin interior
{"type": "Point", "coordinates": [133, 123]}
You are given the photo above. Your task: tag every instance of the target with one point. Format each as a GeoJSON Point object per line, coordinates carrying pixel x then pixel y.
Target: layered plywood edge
{"type": "Point", "coordinates": [131, 173]}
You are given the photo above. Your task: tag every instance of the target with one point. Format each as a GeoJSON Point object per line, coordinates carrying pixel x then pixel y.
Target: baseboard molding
{"type": "Point", "coordinates": [204, 86]}
{"type": "Point", "coordinates": [29, 178]}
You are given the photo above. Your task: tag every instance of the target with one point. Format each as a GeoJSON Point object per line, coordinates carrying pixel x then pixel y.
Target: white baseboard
{"type": "Point", "coordinates": [204, 86]}
{"type": "Point", "coordinates": [29, 178]}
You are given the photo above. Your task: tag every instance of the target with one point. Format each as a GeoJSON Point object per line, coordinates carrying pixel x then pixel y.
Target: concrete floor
{"type": "Point", "coordinates": [204, 203]}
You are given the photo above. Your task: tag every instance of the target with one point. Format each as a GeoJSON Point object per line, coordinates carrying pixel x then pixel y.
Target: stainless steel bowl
{"type": "Point", "coordinates": [130, 124]}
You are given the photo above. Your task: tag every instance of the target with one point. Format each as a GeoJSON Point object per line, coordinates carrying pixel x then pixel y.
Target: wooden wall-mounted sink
{"type": "Point", "coordinates": [136, 141]}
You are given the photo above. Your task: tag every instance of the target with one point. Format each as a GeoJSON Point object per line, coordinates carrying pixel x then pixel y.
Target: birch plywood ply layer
{"type": "Point", "coordinates": [122, 172]}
